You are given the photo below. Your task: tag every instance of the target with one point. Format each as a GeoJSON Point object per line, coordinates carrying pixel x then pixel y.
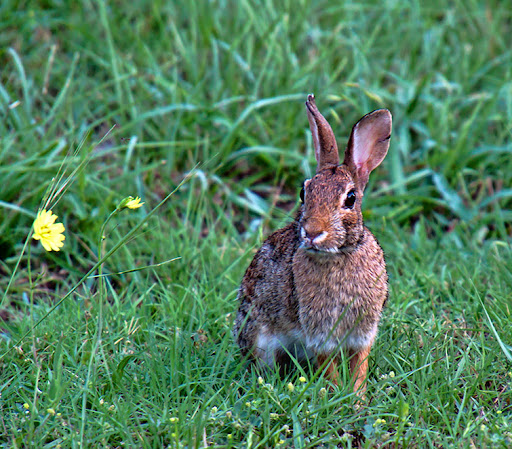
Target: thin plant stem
{"type": "Point", "coordinates": [99, 329]}
{"type": "Point", "coordinates": [11, 279]}
{"type": "Point", "coordinates": [31, 294]}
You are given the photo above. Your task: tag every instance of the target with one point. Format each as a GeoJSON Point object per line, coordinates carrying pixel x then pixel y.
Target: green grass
{"type": "Point", "coordinates": [146, 94]}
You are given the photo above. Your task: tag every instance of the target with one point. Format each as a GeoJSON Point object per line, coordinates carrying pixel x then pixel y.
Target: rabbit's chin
{"type": "Point", "coordinates": [325, 253]}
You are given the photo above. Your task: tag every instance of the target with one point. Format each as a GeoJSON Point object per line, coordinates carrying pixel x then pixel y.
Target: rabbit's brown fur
{"type": "Point", "coordinates": [319, 284]}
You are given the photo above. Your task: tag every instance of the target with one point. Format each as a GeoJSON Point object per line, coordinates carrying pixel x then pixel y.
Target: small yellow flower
{"type": "Point", "coordinates": [260, 380]}
{"type": "Point", "coordinates": [290, 387]}
{"type": "Point", "coordinates": [130, 202]}
{"type": "Point", "coordinates": [50, 411]}
{"type": "Point", "coordinates": [26, 406]}
{"type": "Point", "coordinates": [174, 419]}
{"type": "Point", "coordinates": [134, 203]}
{"type": "Point", "coordinates": [302, 379]}
{"type": "Point", "coordinates": [50, 233]}
{"type": "Point", "coordinates": [379, 421]}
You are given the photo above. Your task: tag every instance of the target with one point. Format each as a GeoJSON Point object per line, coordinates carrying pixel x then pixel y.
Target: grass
{"type": "Point", "coordinates": [141, 96]}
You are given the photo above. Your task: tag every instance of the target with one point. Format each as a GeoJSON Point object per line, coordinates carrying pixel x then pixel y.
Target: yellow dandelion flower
{"type": "Point", "coordinates": [134, 203]}
{"type": "Point", "coordinates": [130, 202]}
{"type": "Point", "coordinates": [50, 234]}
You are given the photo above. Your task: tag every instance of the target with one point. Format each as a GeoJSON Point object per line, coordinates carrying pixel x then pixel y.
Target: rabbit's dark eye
{"type": "Point", "coordinates": [302, 194]}
{"type": "Point", "coordinates": [350, 200]}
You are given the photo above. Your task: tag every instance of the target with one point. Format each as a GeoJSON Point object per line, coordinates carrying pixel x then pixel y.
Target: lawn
{"type": "Point", "coordinates": [123, 337]}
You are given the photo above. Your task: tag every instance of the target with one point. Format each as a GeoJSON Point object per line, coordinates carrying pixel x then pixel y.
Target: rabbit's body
{"type": "Point", "coordinates": [282, 306]}
{"type": "Point", "coordinates": [319, 284]}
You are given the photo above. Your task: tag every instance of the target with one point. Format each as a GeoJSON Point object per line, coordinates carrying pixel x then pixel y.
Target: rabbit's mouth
{"type": "Point", "coordinates": [319, 251]}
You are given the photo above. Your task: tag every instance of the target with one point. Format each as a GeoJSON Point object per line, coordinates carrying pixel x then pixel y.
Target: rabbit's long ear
{"type": "Point", "coordinates": [368, 145]}
{"type": "Point", "coordinates": [326, 150]}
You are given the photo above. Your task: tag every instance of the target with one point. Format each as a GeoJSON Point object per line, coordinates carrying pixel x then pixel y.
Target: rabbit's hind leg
{"type": "Point", "coordinates": [329, 363]}
{"type": "Point", "coordinates": [359, 369]}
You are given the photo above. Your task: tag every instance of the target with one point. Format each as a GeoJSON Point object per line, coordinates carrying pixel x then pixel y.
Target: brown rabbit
{"type": "Point", "coordinates": [319, 284]}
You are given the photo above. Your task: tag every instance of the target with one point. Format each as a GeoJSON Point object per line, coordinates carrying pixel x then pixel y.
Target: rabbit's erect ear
{"type": "Point", "coordinates": [326, 150]}
{"type": "Point", "coordinates": [368, 144]}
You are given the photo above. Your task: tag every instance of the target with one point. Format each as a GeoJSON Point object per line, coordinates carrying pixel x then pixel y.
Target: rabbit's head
{"type": "Point", "coordinates": [331, 221]}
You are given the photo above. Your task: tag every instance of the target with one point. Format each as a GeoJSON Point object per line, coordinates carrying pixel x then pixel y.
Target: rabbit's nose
{"type": "Point", "coordinates": [313, 230]}
{"type": "Point", "coordinates": [311, 235]}
{"type": "Point", "coordinates": [315, 236]}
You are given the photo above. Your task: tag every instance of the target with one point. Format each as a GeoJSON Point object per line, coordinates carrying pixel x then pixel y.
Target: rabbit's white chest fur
{"type": "Point", "coordinates": [325, 342]}
{"type": "Point", "coordinates": [269, 342]}
{"type": "Point", "coordinates": [304, 346]}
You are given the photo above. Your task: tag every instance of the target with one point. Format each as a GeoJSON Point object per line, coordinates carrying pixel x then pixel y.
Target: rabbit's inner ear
{"type": "Point", "coordinates": [368, 144]}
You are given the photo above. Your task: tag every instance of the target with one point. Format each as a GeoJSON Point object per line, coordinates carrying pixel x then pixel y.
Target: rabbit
{"type": "Point", "coordinates": [319, 284]}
